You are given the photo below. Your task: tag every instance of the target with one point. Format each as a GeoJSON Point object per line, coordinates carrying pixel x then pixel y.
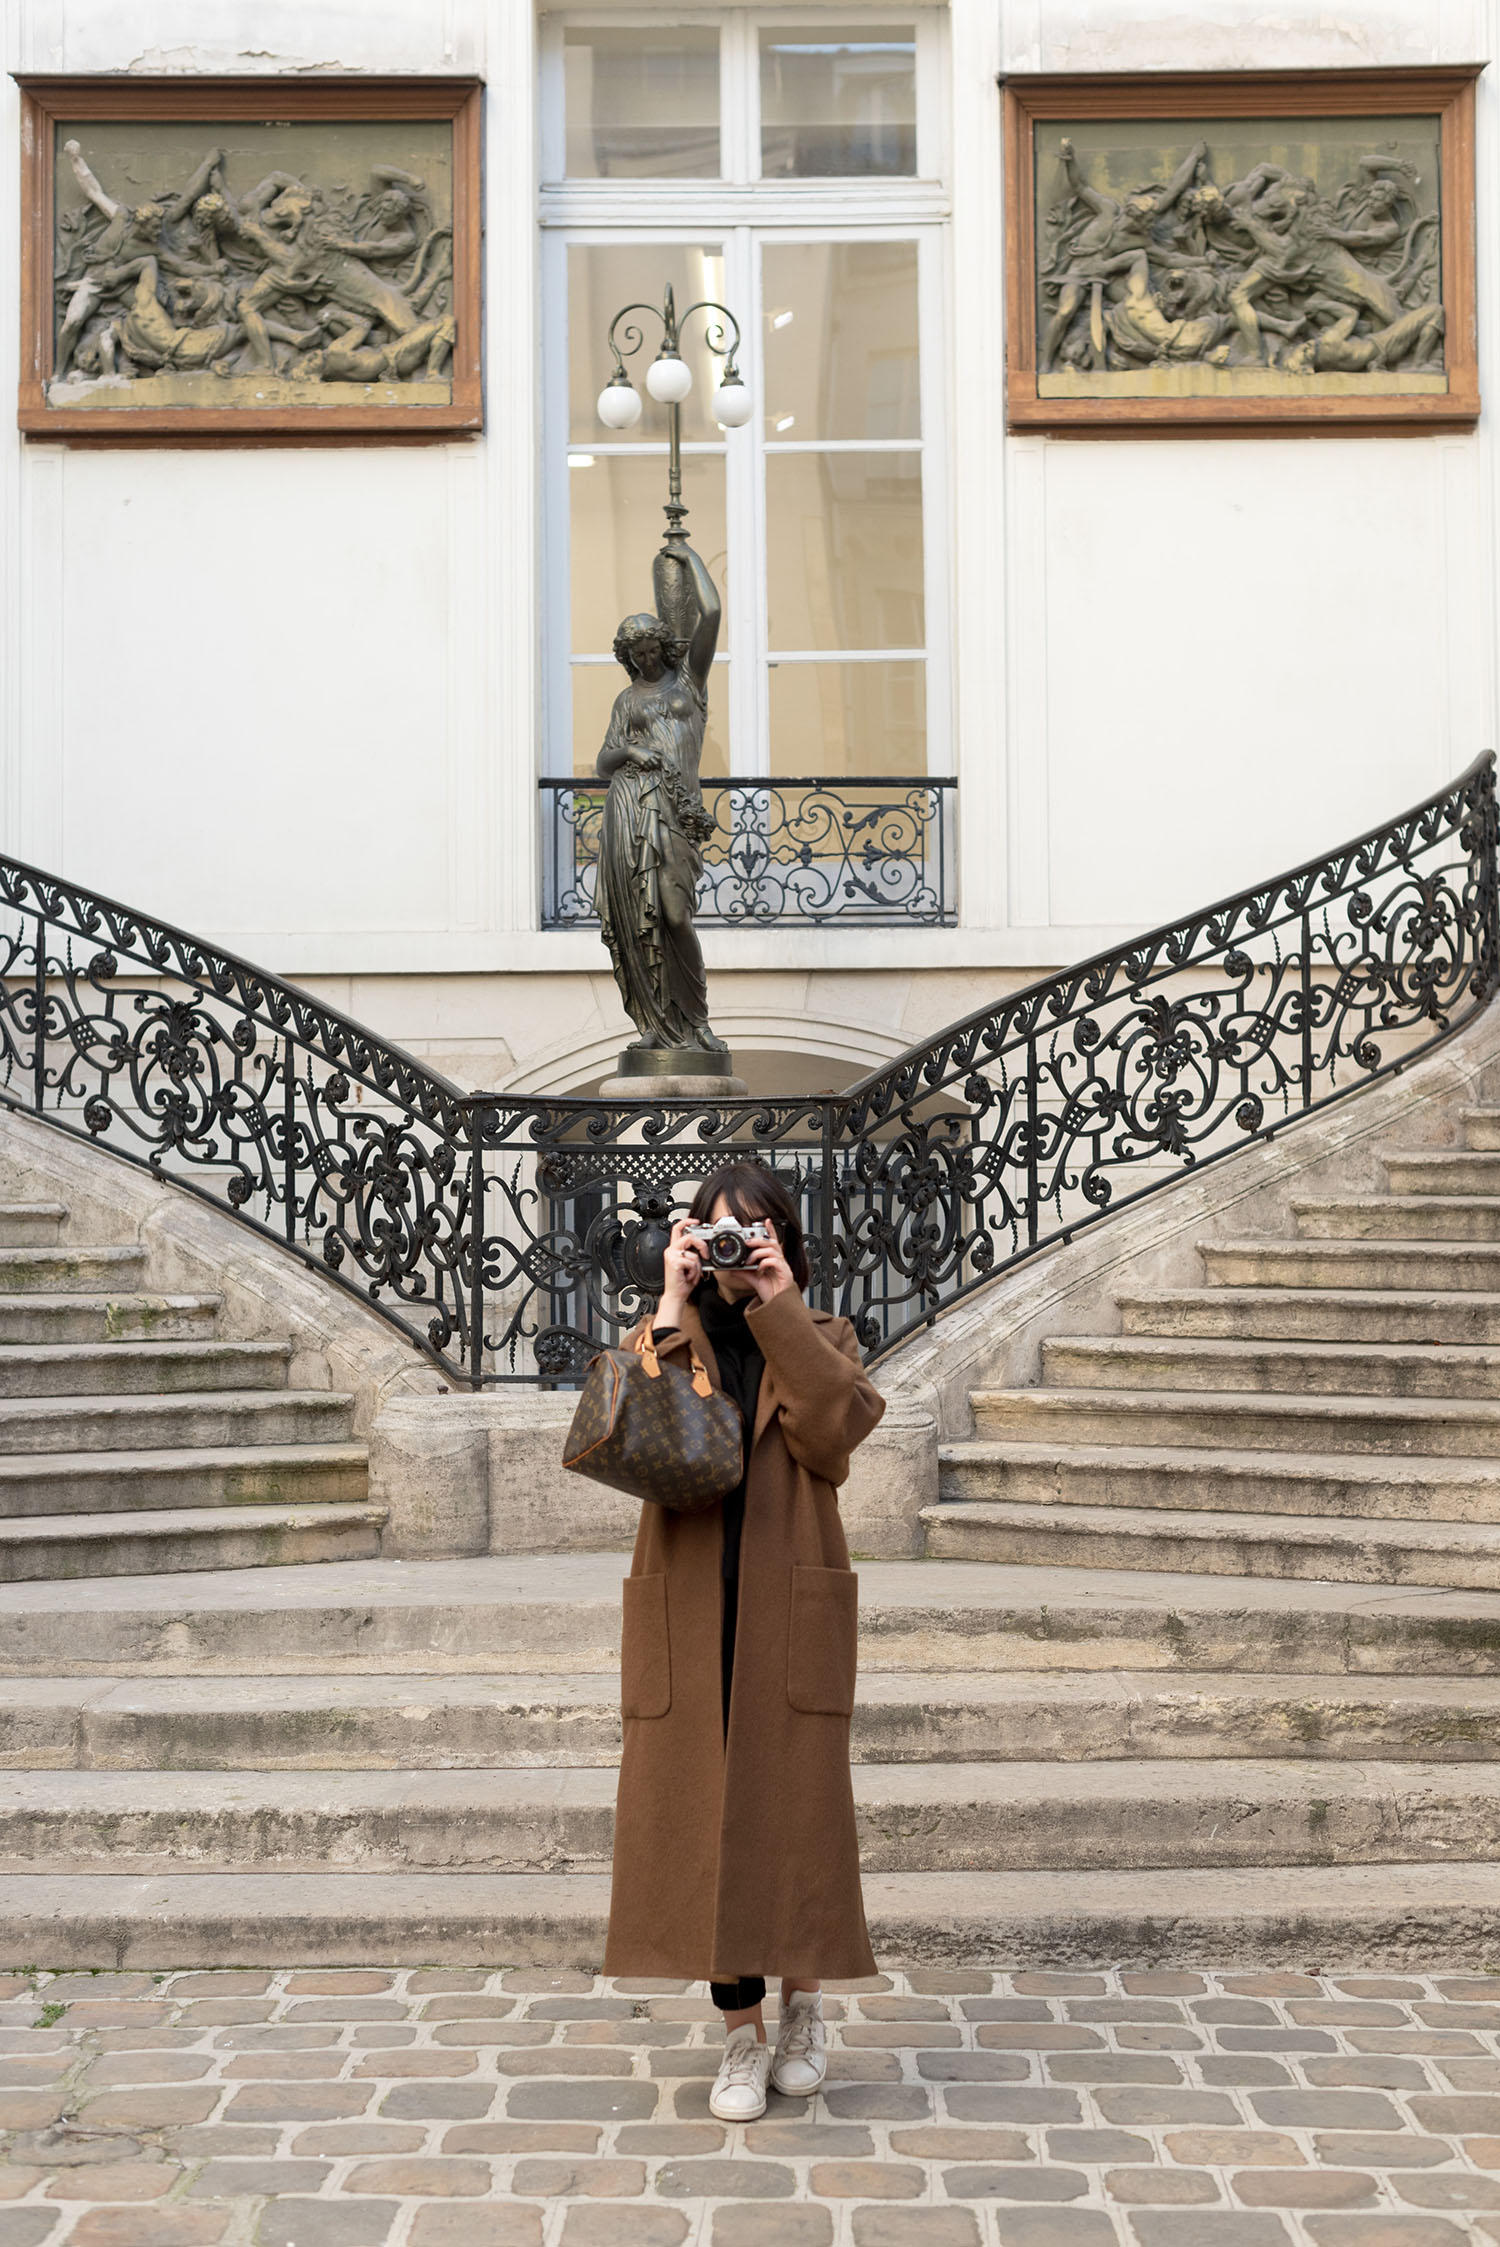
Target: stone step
{"type": "Point", "coordinates": [107, 1318]}
{"type": "Point", "coordinates": [560, 1613]}
{"type": "Point", "coordinates": [196, 1537]}
{"type": "Point", "coordinates": [205, 1418]}
{"type": "Point", "coordinates": [342, 1723]}
{"type": "Point", "coordinates": [1315, 1314]}
{"type": "Point", "coordinates": [67, 1271]}
{"type": "Point", "coordinates": [1346, 1486]}
{"type": "Point", "coordinates": [1458, 1554]}
{"type": "Point", "coordinates": [1399, 1217]}
{"type": "Point", "coordinates": [25, 1224]}
{"type": "Point", "coordinates": [98, 1369]}
{"type": "Point", "coordinates": [1481, 1129]}
{"type": "Point", "coordinates": [1207, 1420]}
{"type": "Point", "coordinates": [1403, 1265]}
{"type": "Point", "coordinates": [912, 1817]}
{"type": "Point", "coordinates": [1368, 1369]}
{"type": "Point", "coordinates": [1448, 1171]}
{"type": "Point", "coordinates": [1393, 1916]}
{"type": "Point", "coordinates": [91, 1483]}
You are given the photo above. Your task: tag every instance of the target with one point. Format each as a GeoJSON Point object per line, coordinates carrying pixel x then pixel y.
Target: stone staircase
{"type": "Point", "coordinates": [375, 1760]}
{"type": "Point", "coordinates": [133, 1440]}
{"type": "Point", "coordinates": [1325, 1407]}
{"type": "Point", "coordinates": [1204, 1662]}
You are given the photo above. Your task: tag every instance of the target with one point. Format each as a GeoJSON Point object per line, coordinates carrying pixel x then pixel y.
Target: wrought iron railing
{"type": "Point", "coordinates": [509, 1237]}
{"type": "Point", "coordinates": [878, 853]}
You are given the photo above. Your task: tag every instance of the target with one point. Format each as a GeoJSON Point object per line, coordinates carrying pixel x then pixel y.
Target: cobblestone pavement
{"type": "Point", "coordinates": [548, 2109]}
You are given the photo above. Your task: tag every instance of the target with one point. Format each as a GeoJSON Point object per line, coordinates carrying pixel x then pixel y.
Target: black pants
{"type": "Point", "coordinates": [737, 1997]}
{"type": "Point", "coordinates": [733, 1997]}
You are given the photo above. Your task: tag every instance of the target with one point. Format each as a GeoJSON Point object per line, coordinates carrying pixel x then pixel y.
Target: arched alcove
{"type": "Point", "coordinates": [800, 1057]}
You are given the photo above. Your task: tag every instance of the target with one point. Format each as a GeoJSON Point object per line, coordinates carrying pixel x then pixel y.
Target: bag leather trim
{"type": "Point", "coordinates": [576, 1458]}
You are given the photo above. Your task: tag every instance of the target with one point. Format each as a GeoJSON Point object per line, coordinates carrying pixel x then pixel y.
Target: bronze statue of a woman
{"type": "Point", "coordinates": [654, 821]}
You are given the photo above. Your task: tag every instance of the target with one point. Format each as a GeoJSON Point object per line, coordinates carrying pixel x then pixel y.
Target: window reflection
{"type": "Point", "coordinates": [846, 718]}
{"type": "Point", "coordinates": [844, 550]}
{"type": "Point", "coordinates": [838, 101]}
{"type": "Point", "coordinates": [840, 340]}
{"type": "Point", "coordinates": [641, 104]}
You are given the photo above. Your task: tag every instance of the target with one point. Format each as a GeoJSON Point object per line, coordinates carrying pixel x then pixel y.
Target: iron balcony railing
{"type": "Point", "coordinates": [873, 853]}
{"type": "Point", "coordinates": [508, 1237]}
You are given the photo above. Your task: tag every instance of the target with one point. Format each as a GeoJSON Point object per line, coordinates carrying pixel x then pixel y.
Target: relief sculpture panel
{"type": "Point", "coordinates": [277, 267]}
{"type": "Point", "coordinates": [250, 271]}
{"type": "Point", "coordinates": [1253, 250]}
{"type": "Point", "coordinates": [1247, 258]}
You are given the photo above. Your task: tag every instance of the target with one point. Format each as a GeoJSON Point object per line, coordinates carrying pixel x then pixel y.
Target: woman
{"type": "Point", "coordinates": [735, 1847]}
{"type": "Point", "coordinates": [654, 821]}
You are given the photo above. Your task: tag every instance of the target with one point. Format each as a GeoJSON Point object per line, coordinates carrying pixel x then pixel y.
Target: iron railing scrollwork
{"type": "Point", "coordinates": [508, 1237]}
{"type": "Point", "coordinates": [876, 852]}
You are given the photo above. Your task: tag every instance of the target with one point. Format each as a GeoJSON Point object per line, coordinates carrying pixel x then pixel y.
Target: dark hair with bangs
{"type": "Point", "coordinates": [753, 1191]}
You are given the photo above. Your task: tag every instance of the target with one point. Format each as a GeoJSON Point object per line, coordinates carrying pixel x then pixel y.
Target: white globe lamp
{"type": "Point", "coordinates": [668, 378]}
{"type": "Point", "coordinates": [619, 404]}
{"type": "Point", "coordinates": [733, 404]}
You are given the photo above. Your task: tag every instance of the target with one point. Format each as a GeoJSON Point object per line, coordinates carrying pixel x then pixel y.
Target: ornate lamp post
{"type": "Point", "coordinates": [654, 823]}
{"type": "Point", "coordinates": [669, 379]}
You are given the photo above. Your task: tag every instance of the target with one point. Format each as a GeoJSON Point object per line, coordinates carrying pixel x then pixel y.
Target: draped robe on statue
{"type": "Point", "coordinates": [653, 819]}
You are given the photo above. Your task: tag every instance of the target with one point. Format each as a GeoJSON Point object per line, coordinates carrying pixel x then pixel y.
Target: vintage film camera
{"type": "Point", "coordinates": [727, 1244]}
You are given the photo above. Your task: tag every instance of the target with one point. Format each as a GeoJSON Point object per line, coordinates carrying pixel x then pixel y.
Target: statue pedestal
{"type": "Point", "coordinates": [674, 1072]}
{"type": "Point", "coordinates": [674, 1088]}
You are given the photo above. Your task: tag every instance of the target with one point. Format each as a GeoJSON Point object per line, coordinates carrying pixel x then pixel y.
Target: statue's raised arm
{"type": "Point", "coordinates": [687, 601]}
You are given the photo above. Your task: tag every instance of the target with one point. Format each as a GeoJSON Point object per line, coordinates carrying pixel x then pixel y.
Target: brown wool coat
{"type": "Point", "coordinates": [739, 1857]}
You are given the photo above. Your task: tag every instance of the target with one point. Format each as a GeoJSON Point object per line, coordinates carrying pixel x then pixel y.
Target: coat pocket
{"type": "Point", "coordinates": [823, 1648]}
{"type": "Point", "coordinates": [645, 1651]}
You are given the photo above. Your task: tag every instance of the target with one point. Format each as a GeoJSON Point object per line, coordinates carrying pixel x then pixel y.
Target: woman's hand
{"type": "Point", "coordinates": [768, 1271]}
{"type": "Point", "coordinates": [684, 1269]}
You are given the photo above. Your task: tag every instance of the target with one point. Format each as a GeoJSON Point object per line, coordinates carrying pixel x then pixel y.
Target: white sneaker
{"type": "Point", "coordinates": [739, 2092]}
{"type": "Point", "coordinates": [801, 2060]}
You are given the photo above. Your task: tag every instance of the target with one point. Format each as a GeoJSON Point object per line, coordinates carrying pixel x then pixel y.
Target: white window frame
{"type": "Point", "coordinates": [742, 212]}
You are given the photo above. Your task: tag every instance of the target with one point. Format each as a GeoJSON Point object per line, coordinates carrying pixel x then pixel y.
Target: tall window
{"type": "Point", "coordinates": [788, 164]}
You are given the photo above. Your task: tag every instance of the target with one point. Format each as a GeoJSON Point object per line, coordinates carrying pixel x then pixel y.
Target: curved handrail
{"type": "Point", "coordinates": [256, 993]}
{"type": "Point", "coordinates": [1175, 940]}
{"type": "Point", "coordinates": [1329, 976]}
{"type": "Point", "coordinates": [506, 1237]}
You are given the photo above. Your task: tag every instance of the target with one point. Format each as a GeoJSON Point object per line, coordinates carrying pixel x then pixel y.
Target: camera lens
{"type": "Point", "coordinates": [726, 1250]}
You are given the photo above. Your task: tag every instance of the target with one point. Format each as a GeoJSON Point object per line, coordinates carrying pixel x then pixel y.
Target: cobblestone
{"type": "Point", "coordinates": [323, 2223]}
{"type": "Point", "coordinates": [477, 2227]}
{"type": "Point", "coordinates": [539, 2109]}
{"type": "Point", "coordinates": [1160, 2188]}
{"type": "Point", "coordinates": [559, 2178]}
{"type": "Point", "coordinates": [743, 2225]}
{"type": "Point", "coordinates": [26, 2227]}
{"type": "Point", "coordinates": [113, 2180]}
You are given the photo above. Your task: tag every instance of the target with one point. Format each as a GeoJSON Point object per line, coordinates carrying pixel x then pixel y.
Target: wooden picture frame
{"type": "Point", "coordinates": [180, 288]}
{"type": "Point", "coordinates": [1123, 380]}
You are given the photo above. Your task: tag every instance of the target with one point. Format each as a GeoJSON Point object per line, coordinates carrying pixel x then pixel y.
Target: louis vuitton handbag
{"type": "Point", "coordinates": [649, 1429]}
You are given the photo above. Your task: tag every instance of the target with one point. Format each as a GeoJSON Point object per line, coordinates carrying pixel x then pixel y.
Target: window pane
{"type": "Point", "coordinates": [642, 104]}
{"type": "Point", "coordinates": [615, 527]}
{"type": "Point", "coordinates": [840, 343]}
{"type": "Point", "coordinates": [602, 279]}
{"type": "Point", "coordinates": [595, 686]}
{"type": "Point", "coordinates": [838, 101]}
{"type": "Point", "coordinates": [848, 718]}
{"type": "Point", "coordinates": [844, 550]}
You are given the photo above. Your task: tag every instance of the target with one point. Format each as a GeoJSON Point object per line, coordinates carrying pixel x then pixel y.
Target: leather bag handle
{"type": "Point", "coordinates": [701, 1382]}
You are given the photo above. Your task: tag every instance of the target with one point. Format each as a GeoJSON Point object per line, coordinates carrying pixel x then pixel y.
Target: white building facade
{"type": "Point", "coordinates": [308, 701]}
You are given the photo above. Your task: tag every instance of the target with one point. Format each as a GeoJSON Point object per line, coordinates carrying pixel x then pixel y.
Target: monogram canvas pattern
{"type": "Point", "coordinates": [656, 1438]}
